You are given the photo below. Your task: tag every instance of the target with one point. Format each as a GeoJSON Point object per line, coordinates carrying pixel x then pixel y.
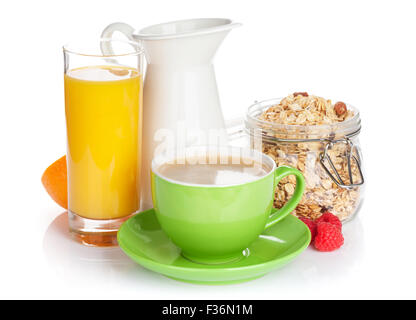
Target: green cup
{"type": "Point", "coordinates": [214, 224]}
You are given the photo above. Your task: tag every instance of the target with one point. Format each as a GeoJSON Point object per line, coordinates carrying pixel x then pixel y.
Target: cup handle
{"type": "Point", "coordinates": [107, 33]}
{"type": "Point", "coordinates": [279, 174]}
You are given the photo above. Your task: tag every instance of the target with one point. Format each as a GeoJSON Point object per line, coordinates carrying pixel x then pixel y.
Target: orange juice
{"type": "Point", "coordinates": [103, 106]}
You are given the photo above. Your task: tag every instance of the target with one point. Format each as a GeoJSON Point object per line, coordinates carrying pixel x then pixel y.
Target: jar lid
{"type": "Point", "coordinates": [297, 133]}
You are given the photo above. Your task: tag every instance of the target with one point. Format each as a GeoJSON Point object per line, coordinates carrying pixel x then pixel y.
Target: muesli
{"type": "Point", "coordinates": [321, 192]}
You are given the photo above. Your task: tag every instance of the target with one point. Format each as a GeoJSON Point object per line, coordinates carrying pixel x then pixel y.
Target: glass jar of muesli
{"type": "Point", "coordinates": [321, 140]}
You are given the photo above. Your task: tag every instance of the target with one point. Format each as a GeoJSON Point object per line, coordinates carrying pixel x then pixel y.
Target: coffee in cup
{"type": "Point", "coordinates": [217, 173]}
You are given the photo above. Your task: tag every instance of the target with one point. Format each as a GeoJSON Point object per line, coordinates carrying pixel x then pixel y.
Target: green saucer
{"type": "Point", "coordinates": [142, 239]}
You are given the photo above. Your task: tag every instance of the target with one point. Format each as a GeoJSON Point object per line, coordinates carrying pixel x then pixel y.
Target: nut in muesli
{"type": "Point", "coordinates": [340, 108]}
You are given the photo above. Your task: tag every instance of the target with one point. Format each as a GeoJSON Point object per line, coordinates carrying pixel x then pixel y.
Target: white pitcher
{"type": "Point", "coordinates": [180, 91]}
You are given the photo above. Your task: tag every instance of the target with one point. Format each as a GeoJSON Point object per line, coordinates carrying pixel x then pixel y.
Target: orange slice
{"type": "Point", "coordinates": [54, 179]}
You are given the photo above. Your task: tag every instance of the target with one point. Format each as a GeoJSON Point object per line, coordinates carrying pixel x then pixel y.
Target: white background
{"type": "Point", "coordinates": [361, 52]}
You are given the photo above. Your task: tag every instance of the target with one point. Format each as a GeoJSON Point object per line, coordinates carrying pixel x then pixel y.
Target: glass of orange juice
{"type": "Point", "coordinates": [103, 108]}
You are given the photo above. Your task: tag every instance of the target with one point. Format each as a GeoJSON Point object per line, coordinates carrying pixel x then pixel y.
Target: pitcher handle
{"type": "Point", "coordinates": [107, 33]}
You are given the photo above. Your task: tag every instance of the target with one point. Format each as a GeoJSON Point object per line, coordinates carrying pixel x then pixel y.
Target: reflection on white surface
{"type": "Point", "coordinates": [83, 266]}
{"type": "Point", "coordinates": [70, 258]}
{"type": "Point", "coordinates": [326, 266]}
{"type": "Point", "coordinates": [58, 245]}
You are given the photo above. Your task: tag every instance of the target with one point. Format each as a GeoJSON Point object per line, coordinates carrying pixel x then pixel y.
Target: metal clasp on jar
{"type": "Point", "coordinates": [350, 156]}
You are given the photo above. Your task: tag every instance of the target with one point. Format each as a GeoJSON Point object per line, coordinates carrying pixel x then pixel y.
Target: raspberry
{"type": "Point", "coordinates": [328, 237]}
{"type": "Point", "coordinates": [311, 225]}
{"type": "Point", "coordinates": [330, 218]}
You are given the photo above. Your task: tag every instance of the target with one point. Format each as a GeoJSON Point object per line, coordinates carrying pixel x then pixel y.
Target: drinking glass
{"type": "Point", "coordinates": [103, 109]}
